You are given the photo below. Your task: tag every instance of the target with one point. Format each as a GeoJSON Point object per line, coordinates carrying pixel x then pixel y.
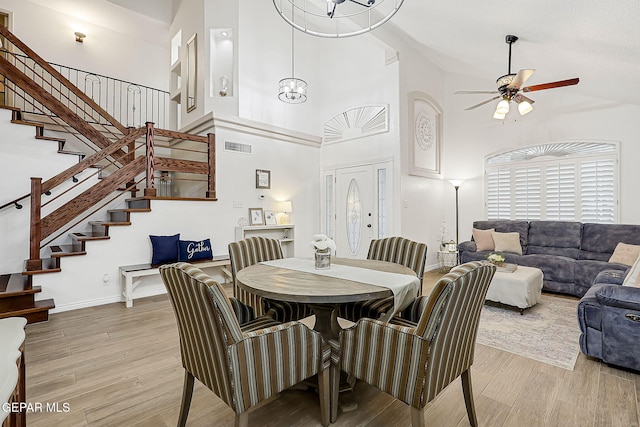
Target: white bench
{"type": "Point", "coordinates": [131, 274]}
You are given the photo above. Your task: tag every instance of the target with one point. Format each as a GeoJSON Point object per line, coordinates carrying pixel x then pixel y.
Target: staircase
{"type": "Point", "coordinates": [123, 156]}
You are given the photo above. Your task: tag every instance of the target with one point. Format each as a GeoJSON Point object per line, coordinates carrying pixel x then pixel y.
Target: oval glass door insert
{"type": "Point", "coordinates": [354, 217]}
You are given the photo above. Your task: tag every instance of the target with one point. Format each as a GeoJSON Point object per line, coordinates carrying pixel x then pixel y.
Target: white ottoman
{"type": "Point", "coordinates": [522, 288]}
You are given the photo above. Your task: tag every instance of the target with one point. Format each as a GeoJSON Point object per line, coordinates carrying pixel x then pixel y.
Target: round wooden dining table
{"type": "Point", "coordinates": [322, 293]}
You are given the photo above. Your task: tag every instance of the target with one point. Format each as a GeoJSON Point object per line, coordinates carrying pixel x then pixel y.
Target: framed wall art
{"type": "Point", "coordinates": [256, 216]}
{"type": "Point", "coordinates": [425, 135]}
{"type": "Point", "coordinates": [263, 179]}
{"type": "Point", "coordinates": [192, 76]}
{"type": "Point", "coordinates": [270, 218]}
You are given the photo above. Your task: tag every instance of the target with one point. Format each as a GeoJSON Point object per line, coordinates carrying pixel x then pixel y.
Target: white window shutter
{"type": "Point", "coordinates": [578, 188]}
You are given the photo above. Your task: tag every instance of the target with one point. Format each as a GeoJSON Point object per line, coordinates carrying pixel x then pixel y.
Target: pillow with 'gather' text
{"type": "Point", "coordinates": [507, 242]}
{"type": "Point", "coordinates": [190, 250]}
{"type": "Point", "coordinates": [625, 254]}
{"type": "Point", "coordinates": [483, 239]}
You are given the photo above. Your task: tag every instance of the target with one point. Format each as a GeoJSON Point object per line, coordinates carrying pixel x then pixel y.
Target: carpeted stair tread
{"type": "Point", "coordinates": [58, 251]}
{"type": "Point", "coordinates": [83, 237]}
{"type": "Point", "coordinates": [15, 284]}
{"type": "Point", "coordinates": [49, 265]}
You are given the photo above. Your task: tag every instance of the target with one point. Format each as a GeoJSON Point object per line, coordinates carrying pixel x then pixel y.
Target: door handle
{"type": "Point", "coordinates": [369, 225]}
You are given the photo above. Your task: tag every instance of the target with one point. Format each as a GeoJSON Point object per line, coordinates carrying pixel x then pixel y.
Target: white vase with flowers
{"type": "Point", "coordinates": [323, 246]}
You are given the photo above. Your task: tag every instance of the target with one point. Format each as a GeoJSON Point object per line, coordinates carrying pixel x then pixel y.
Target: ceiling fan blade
{"type": "Point", "coordinates": [561, 83]}
{"type": "Point", "coordinates": [520, 97]}
{"type": "Point", "coordinates": [482, 103]}
{"type": "Point", "coordinates": [520, 78]}
{"type": "Point", "coordinates": [472, 92]}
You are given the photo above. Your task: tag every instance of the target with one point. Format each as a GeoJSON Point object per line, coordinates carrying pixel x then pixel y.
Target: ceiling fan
{"type": "Point", "coordinates": [510, 88]}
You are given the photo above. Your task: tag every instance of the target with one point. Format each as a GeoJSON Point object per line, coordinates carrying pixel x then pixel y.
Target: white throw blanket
{"type": "Point", "coordinates": [404, 286]}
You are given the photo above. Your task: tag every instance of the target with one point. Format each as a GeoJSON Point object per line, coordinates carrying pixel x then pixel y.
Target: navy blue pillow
{"type": "Point", "coordinates": [191, 250]}
{"type": "Point", "coordinates": [165, 249]}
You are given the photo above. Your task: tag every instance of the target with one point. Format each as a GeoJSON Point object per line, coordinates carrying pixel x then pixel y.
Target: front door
{"type": "Point", "coordinates": [355, 211]}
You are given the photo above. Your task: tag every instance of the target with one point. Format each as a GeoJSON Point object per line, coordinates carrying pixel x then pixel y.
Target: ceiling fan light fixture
{"type": "Point", "coordinates": [499, 116]}
{"type": "Point", "coordinates": [524, 107]}
{"type": "Point", "coordinates": [503, 107]}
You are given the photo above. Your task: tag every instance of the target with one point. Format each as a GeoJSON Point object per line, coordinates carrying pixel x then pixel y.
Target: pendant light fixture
{"type": "Point", "coordinates": [336, 18]}
{"type": "Point", "coordinates": [292, 89]}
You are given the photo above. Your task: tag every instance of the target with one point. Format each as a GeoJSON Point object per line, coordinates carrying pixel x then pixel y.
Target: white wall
{"type": "Point", "coordinates": [119, 43]}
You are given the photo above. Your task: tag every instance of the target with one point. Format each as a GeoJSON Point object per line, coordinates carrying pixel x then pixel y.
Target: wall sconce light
{"type": "Point", "coordinates": [80, 36]}
{"type": "Point", "coordinates": [284, 208]}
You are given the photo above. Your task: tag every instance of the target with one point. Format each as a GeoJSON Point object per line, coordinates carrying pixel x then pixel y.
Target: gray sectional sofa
{"type": "Point", "coordinates": [570, 254]}
{"type": "Point", "coordinates": [574, 259]}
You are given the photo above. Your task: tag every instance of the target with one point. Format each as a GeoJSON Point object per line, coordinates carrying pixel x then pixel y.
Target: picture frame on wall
{"type": "Point", "coordinates": [256, 216]}
{"type": "Point", "coordinates": [263, 179]}
{"type": "Point", "coordinates": [270, 218]}
{"type": "Point", "coordinates": [425, 135]}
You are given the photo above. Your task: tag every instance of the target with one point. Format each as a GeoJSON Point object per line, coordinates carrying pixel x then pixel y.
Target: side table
{"type": "Point", "coordinates": [447, 260]}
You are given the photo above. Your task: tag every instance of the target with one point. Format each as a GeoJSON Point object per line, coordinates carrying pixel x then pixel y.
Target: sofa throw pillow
{"type": "Point", "coordinates": [164, 249]}
{"type": "Point", "coordinates": [625, 254]}
{"type": "Point", "coordinates": [193, 250]}
{"type": "Point", "coordinates": [507, 242]}
{"type": "Point", "coordinates": [483, 239]}
{"type": "Point", "coordinates": [633, 277]}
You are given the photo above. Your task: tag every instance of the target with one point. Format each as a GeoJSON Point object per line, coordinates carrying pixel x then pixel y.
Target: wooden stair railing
{"type": "Point", "coordinates": [92, 160]}
{"type": "Point", "coordinates": [60, 78]}
{"type": "Point", "coordinates": [91, 196]}
{"type": "Point", "coordinates": [20, 79]}
{"type": "Point", "coordinates": [43, 227]}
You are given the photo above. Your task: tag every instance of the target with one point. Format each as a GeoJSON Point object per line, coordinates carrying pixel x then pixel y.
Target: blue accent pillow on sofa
{"type": "Point", "coordinates": [190, 250]}
{"type": "Point", "coordinates": [165, 249]}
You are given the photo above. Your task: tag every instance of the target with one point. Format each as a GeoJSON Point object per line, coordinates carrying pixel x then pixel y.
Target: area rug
{"type": "Point", "coordinates": [547, 332]}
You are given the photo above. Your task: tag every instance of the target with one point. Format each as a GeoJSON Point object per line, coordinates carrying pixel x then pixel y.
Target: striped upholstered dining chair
{"type": "Point", "coordinates": [424, 357]}
{"type": "Point", "coordinates": [251, 251]}
{"type": "Point", "coordinates": [242, 368]}
{"type": "Point", "coordinates": [391, 249]}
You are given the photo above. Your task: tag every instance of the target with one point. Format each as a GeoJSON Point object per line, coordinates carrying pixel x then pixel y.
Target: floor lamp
{"type": "Point", "coordinates": [456, 184]}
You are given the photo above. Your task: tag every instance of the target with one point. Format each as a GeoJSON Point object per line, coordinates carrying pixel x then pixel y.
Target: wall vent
{"type": "Point", "coordinates": [237, 147]}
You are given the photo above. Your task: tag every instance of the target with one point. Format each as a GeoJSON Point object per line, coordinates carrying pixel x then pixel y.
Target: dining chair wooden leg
{"type": "Point", "coordinates": [242, 420]}
{"type": "Point", "coordinates": [467, 389]}
{"type": "Point", "coordinates": [417, 417]}
{"type": "Point", "coordinates": [187, 392]}
{"type": "Point", "coordinates": [334, 391]}
{"type": "Point", "coordinates": [323, 391]}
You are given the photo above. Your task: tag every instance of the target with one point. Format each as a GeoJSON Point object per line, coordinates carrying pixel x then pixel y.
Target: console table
{"type": "Point", "coordinates": [12, 371]}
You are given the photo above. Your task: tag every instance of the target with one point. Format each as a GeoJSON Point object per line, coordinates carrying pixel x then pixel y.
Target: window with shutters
{"type": "Point", "coordinates": [573, 181]}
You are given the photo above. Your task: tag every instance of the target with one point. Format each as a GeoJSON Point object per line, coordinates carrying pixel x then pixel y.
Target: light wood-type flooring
{"type": "Point", "coordinates": [114, 366]}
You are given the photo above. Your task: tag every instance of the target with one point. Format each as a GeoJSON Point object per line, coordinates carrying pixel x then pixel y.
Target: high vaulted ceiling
{"type": "Point", "coordinates": [597, 41]}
